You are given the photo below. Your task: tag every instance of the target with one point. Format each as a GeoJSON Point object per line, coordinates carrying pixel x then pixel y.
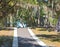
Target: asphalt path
{"type": "Point", "coordinates": [25, 39]}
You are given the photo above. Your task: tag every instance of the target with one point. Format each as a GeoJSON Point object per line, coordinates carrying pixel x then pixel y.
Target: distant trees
{"type": "Point", "coordinates": [6, 7]}
{"type": "Point", "coordinates": [54, 5]}
{"type": "Point", "coordinates": [29, 10]}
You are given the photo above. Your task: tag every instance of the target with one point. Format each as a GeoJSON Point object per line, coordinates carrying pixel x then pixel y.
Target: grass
{"type": "Point", "coordinates": [6, 37]}
{"type": "Point", "coordinates": [50, 38]}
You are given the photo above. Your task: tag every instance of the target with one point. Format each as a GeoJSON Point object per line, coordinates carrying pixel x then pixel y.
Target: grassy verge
{"type": "Point", "coordinates": [6, 38]}
{"type": "Point", "coordinates": [51, 38]}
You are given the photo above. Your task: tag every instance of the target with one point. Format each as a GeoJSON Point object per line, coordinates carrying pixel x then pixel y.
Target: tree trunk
{"type": "Point", "coordinates": [11, 20]}
{"type": "Point", "coordinates": [58, 24]}
{"type": "Point", "coordinates": [38, 17]}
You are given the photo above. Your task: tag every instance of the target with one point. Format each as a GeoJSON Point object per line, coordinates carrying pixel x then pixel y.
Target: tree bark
{"type": "Point", "coordinates": [11, 20]}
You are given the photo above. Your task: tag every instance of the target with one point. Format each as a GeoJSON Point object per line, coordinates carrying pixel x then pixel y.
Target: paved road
{"type": "Point", "coordinates": [25, 39]}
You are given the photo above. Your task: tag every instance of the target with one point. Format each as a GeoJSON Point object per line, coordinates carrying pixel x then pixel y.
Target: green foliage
{"type": "Point", "coordinates": [7, 5]}
{"type": "Point", "coordinates": [42, 12]}
{"type": "Point", "coordinates": [53, 21]}
{"type": "Point", "coordinates": [30, 1]}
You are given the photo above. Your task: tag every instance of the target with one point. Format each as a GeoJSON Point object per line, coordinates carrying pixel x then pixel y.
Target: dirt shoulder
{"type": "Point", "coordinates": [51, 38]}
{"type": "Point", "coordinates": [6, 38]}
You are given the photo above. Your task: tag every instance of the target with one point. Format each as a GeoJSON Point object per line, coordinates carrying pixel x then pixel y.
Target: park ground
{"type": "Point", "coordinates": [6, 38]}
{"type": "Point", "coordinates": [51, 38]}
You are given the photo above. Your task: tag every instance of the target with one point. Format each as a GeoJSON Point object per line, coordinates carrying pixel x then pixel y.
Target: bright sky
{"type": "Point", "coordinates": [46, 0]}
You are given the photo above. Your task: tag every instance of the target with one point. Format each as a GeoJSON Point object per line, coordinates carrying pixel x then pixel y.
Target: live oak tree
{"type": "Point", "coordinates": [6, 7]}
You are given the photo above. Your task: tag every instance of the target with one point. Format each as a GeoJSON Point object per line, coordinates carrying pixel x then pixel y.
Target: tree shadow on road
{"type": "Point", "coordinates": [26, 42]}
{"type": "Point", "coordinates": [6, 41]}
